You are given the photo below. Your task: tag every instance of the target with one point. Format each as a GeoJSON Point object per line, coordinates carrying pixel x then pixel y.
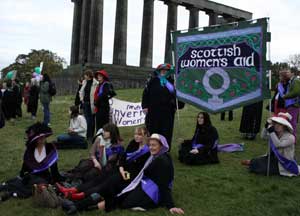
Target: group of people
{"type": "Point", "coordinates": [139, 177]}
{"type": "Point", "coordinates": [13, 94]}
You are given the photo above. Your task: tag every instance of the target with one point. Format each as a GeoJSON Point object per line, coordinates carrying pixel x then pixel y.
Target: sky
{"type": "Point", "coordinates": [47, 24]}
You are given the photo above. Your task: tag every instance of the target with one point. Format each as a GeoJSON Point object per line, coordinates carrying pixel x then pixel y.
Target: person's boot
{"type": "Point", "coordinates": [230, 115]}
{"type": "Point", "coordinates": [77, 196]}
{"type": "Point", "coordinates": [66, 191]}
{"type": "Point", "coordinates": [5, 195]}
{"type": "Point", "coordinates": [89, 202]}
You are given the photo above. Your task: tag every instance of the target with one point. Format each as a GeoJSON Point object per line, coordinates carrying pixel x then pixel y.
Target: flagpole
{"type": "Point", "coordinates": [270, 101]}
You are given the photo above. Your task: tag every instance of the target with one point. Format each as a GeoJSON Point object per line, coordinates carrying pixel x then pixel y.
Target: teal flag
{"type": "Point", "coordinates": [224, 67]}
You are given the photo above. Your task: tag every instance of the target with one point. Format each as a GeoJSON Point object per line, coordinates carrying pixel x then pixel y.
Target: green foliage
{"type": "Point", "coordinates": [225, 189]}
{"type": "Point", "coordinates": [25, 63]}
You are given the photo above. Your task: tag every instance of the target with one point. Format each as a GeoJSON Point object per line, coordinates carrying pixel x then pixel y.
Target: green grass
{"type": "Point", "coordinates": [223, 189]}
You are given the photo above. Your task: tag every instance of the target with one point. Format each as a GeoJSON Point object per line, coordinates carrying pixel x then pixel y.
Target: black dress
{"type": "Point", "coordinates": [251, 119]}
{"type": "Point", "coordinates": [207, 136]}
{"type": "Point", "coordinates": [33, 100]}
{"type": "Point", "coordinates": [9, 104]}
{"type": "Point", "coordinates": [102, 106]}
{"type": "Point", "coordinates": [161, 104]}
{"type": "Point", "coordinates": [22, 186]}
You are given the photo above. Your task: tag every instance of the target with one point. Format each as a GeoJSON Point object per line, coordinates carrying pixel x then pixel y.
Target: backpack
{"type": "Point", "coordinates": [52, 89]}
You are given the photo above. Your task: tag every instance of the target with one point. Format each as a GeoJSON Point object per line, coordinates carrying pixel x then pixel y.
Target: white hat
{"type": "Point", "coordinates": [283, 119]}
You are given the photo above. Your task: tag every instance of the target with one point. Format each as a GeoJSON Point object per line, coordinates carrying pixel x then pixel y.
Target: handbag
{"type": "Point", "coordinates": [44, 196]}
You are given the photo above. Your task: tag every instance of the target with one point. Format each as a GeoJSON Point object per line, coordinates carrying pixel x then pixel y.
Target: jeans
{"type": "Point", "coordinates": [90, 119]}
{"type": "Point", "coordinates": [73, 141]}
{"type": "Point", "coordinates": [46, 110]}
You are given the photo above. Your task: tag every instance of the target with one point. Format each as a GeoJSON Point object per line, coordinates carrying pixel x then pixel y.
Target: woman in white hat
{"type": "Point", "coordinates": [282, 143]}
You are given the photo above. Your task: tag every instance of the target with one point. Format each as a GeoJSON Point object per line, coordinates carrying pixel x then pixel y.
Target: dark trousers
{"type": "Point", "coordinates": [90, 119]}
{"type": "Point", "coordinates": [71, 141]}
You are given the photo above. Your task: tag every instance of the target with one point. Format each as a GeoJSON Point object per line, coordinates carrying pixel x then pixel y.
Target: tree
{"type": "Point", "coordinates": [294, 61]}
{"type": "Point", "coordinates": [25, 63]}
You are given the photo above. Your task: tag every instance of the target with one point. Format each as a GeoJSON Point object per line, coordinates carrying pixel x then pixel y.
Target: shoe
{"type": "Point", "coordinates": [66, 191]}
{"type": "Point", "coordinates": [4, 195]}
{"type": "Point", "coordinates": [245, 162]}
{"type": "Point", "coordinates": [76, 196]}
{"type": "Point", "coordinates": [138, 209]}
{"type": "Point", "coordinates": [69, 207]}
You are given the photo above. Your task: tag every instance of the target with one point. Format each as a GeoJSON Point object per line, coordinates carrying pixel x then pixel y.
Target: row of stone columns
{"type": "Point", "coordinates": [88, 30]}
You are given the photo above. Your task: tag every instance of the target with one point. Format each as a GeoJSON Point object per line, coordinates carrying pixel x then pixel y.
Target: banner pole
{"type": "Point", "coordinates": [270, 100]}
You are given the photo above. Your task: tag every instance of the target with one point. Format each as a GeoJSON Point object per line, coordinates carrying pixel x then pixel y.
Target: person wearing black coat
{"type": "Point", "coordinates": [39, 164]}
{"type": "Point", "coordinates": [9, 102]}
{"type": "Point", "coordinates": [202, 149]}
{"type": "Point", "coordinates": [33, 100]}
{"type": "Point", "coordinates": [101, 99]}
{"type": "Point", "coordinates": [159, 102]}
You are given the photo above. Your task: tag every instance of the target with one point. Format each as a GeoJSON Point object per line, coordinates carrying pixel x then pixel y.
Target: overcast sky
{"type": "Point", "coordinates": [47, 24]}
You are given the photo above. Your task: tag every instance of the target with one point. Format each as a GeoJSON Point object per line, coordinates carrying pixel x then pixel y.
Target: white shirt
{"type": "Point", "coordinates": [39, 157]}
{"type": "Point", "coordinates": [78, 125]}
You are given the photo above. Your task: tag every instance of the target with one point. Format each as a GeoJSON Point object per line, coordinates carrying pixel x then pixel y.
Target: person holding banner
{"type": "Point", "coordinates": [159, 102]}
{"type": "Point", "coordinates": [279, 131]}
{"type": "Point", "coordinates": [291, 98]}
{"type": "Point", "coordinates": [203, 148]}
{"type": "Point", "coordinates": [101, 99]}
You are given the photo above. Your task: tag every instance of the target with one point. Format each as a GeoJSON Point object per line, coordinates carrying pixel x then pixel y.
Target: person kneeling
{"type": "Point", "coordinates": [203, 148]}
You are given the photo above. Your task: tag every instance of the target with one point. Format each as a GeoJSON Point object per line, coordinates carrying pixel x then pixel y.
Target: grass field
{"type": "Point", "coordinates": [225, 189]}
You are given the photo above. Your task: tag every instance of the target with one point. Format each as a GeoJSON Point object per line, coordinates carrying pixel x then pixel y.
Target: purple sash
{"type": "Point", "coordinates": [289, 165]}
{"type": "Point", "coordinates": [231, 147]}
{"type": "Point", "coordinates": [136, 154]}
{"type": "Point", "coordinates": [47, 162]}
{"type": "Point", "coordinates": [170, 87]}
{"type": "Point", "coordinates": [101, 89]}
{"type": "Point", "coordinates": [117, 149]}
{"type": "Point", "coordinates": [151, 189]}
{"type": "Point", "coordinates": [287, 102]}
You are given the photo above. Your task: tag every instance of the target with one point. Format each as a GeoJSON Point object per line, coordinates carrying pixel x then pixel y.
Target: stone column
{"type": "Point", "coordinates": [76, 32]}
{"type": "Point", "coordinates": [171, 26]}
{"type": "Point", "coordinates": [212, 17]}
{"type": "Point", "coordinates": [147, 34]}
{"type": "Point", "coordinates": [84, 31]}
{"type": "Point", "coordinates": [120, 41]}
{"type": "Point", "coordinates": [95, 32]}
{"type": "Point", "coordinates": [194, 17]}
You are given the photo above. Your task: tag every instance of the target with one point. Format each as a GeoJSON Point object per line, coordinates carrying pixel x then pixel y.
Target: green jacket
{"type": "Point", "coordinates": [293, 90]}
{"type": "Point", "coordinates": [45, 97]}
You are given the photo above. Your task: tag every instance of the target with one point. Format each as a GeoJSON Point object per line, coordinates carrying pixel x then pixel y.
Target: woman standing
{"type": "Point", "coordinates": [159, 102]}
{"type": "Point", "coordinates": [33, 99]}
{"type": "Point", "coordinates": [203, 148]}
{"type": "Point", "coordinates": [86, 95]}
{"type": "Point", "coordinates": [282, 142]}
{"type": "Point", "coordinates": [101, 98]}
{"type": "Point", "coordinates": [76, 136]}
{"type": "Point", "coordinates": [45, 98]}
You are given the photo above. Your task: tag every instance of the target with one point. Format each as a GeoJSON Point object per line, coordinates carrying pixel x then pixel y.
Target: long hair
{"type": "Point", "coordinates": [143, 131]}
{"type": "Point", "coordinates": [206, 118]}
{"type": "Point", "coordinates": [114, 132]}
{"type": "Point", "coordinates": [74, 111]}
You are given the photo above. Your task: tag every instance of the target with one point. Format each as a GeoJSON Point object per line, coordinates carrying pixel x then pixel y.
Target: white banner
{"type": "Point", "coordinates": [126, 113]}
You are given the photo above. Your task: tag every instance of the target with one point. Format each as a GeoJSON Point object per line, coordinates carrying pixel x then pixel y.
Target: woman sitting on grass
{"type": "Point", "coordinates": [76, 136]}
{"type": "Point", "coordinates": [202, 149]}
{"type": "Point", "coordinates": [105, 154]}
{"type": "Point", "coordinates": [39, 164]}
{"type": "Point", "coordinates": [282, 143]}
{"type": "Point", "coordinates": [131, 163]}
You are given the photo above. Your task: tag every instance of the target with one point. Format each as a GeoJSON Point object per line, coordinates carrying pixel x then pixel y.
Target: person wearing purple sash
{"type": "Point", "coordinates": [101, 99]}
{"type": "Point", "coordinates": [202, 149]}
{"type": "Point", "coordinates": [292, 98]}
{"type": "Point", "coordinates": [159, 102]}
{"type": "Point", "coordinates": [107, 187]}
{"type": "Point", "coordinates": [39, 164]}
{"type": "Point", "coordinates": [279, 131]}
